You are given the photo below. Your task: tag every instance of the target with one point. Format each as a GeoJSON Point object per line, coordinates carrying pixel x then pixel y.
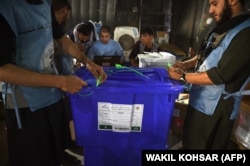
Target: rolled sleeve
{"type": "Point", "coordinates": [215, 76]}
{"type": "Point", "coordinates": [235, 60]}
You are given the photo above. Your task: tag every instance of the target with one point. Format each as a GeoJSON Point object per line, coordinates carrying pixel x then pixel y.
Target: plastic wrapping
{"type": "Point", "coordinates": [154, 59]}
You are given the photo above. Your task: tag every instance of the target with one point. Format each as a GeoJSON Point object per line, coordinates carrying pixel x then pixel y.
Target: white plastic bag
{"type": "Point", "coordinates": [155, 59]}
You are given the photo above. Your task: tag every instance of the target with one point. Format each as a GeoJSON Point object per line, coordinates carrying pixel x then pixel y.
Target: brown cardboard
{"type": "Point", "coordinates": [247, 97]}
{"type": "Point", "coordinates": [241, 130]}
{"type": "Point", "coordinates": [179, 115]}
{"type": "Point", "coordinates": [161, 33]}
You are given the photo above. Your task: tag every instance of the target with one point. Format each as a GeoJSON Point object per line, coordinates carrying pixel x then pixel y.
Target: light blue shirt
{"type": "Point", "coordinates": [34, 47]}
{"type": "Point", "coordinates": [100, 49]}
{"type": "Point", "coordinates": [206, 97]}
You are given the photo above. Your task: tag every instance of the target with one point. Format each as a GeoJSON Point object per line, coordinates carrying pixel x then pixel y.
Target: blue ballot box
{"type": "Point", "coordinates": [129, 112]}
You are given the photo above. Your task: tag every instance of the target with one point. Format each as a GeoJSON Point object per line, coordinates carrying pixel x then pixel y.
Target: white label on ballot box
{"type": "Point", "coordinates": [120, 117]}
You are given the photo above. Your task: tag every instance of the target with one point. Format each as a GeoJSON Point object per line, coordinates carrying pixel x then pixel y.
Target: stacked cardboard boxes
{"type": "Point", "coordinates": [179, 114]}
{"type": "Point", "coordinates": [241, 131]}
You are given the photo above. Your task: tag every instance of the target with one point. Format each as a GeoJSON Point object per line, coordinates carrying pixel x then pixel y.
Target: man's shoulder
{"type": "Point", "coordinates": [138, 43]}
{"type": "Point", "coordinates": [114, 41]}
{"type": "Point", "coordinates": [95, 45]}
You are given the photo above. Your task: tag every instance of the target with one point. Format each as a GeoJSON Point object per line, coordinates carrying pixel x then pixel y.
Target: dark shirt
{"type": "Point", "coordinates": [8, 39]}
{"type": "Point", "coordinates": [234, 66]}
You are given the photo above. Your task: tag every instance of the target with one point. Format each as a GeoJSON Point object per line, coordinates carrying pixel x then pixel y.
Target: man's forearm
{"type": "Point", "coordinates": [198, 78]}
{"type": "Point", "coordinates": [190, 63]}
{"type": "Point", "coordinates": [16, 75]}
{"type": "Point", "coordinates": [19, 76]}
{"type": "Point", "coordinates": [72, 49]}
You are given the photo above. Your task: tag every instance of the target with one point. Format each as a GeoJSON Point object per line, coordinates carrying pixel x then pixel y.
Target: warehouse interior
{"type": "Point", "coordinates": [180, 25]}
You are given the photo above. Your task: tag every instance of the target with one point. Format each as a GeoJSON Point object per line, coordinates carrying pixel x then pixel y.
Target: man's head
{"type": "Point", "coordinates": [84, 32]}
{"type": "Point", "coordinates": [147, 36]}
{"type": "Point", "coordinates": [224, 10]}
{"type": "Point", "coordinates": [62, 10]}
{"type": "Point", "coordinates": [105, 34]}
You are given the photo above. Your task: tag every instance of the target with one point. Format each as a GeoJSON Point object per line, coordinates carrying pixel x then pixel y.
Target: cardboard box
{"type": "Point", "coordinates": [246, 97]}
{"type": "Point", "coordinates": [162, 37]}
{"type": "Point", "coordinates": [172, 49]}
{"type": "Point", "coordinates": [241, 131]}
{"type": "Point", "coordinates": [179, 114]}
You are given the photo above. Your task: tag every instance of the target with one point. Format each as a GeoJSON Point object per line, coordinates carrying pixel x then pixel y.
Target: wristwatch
{"type": "Point", "coordinates": [183, 77]}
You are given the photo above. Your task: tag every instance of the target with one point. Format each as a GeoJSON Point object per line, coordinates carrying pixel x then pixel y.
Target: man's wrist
{"type": "Point", "coordinates": [183, 77]}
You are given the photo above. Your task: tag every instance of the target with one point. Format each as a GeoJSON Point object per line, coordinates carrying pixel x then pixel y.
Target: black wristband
{"type": "Point", "coordinates": [183, 77]}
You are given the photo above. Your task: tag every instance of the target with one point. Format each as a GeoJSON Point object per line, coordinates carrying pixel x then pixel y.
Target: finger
{"type": "Point", "coordinates": [95, 72]}
{"type": "Point", "coordinates": [84, 83]}
{"type": "Point", "coordinates": [104, 76]}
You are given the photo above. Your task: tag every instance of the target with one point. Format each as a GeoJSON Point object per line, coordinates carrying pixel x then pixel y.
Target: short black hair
{"type": "Point", "coordinates": [59, 4]}
{"type": "Point", "coordinates": [148, 30]}
{"type": "Point", "coordinates": [85, 29]}
{"type": "Point", "coordinates": [105, 28]}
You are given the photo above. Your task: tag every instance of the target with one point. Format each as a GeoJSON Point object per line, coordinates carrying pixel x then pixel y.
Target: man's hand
{"type": "Point", "coordinates": [175, 72]}
{"type": "Point", "coordinates": [180, 65]}
{"type": "Point", "coordinates": [96, 70]}
{"type": "Point", "coordinates": [71, 84]}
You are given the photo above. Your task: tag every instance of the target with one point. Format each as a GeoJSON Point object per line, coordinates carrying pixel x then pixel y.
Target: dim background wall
{"type": "Point", "coordinates": [185, 21]}
{"type": "Point", "coordinates": [135, 13]}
